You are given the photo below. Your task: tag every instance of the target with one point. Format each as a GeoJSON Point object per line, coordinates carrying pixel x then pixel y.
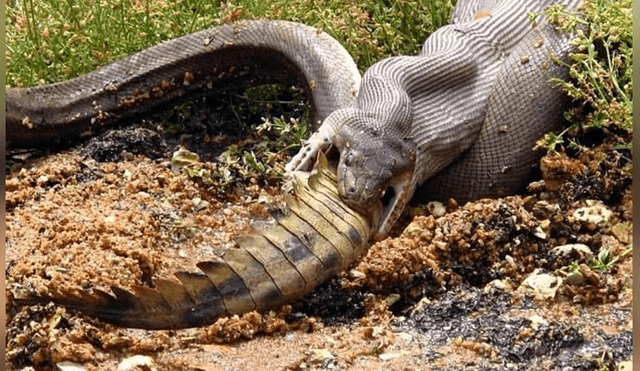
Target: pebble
{"type": "Point", "coordinates": [496, 284]}
{"type": "Point", "coordinates": [354, 273]}
{"type": "Point", "coordinates": [594, 213]}
{"type": "Point", "coordinates": [581, 250]}
{"type": "Point", "coordinates": [199, 204]}
{"type": "Point", "coordinates": [70, 366]}
{"type": "Point", "coordinates": [321, 355]}
{"type": "Point", "coordinates": [137, 362]}
{"type": "Point", "coordinates": [436, 208]}
{"type": "Point", "coordinates": [623, 232]}
{"type": "Point", "coordinates": [42, 180]}
{"type": "Point", "coordinates": [542, 284]}
{"type": "Point", "coordinates": [538, 322]}
{"type": "Point", "coordinates": [390, 356]}
{"type": "Point", "coordinates": [625, 366]}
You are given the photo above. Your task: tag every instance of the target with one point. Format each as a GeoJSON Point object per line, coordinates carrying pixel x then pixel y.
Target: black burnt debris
{"type": "Point", "coordinates": [510, 336]}
{"type": "Point", "coordinates": [111, 145]}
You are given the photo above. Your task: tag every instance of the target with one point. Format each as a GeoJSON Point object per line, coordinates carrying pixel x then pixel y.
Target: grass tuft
{"type": "Point", "coordinates": [601, 70]}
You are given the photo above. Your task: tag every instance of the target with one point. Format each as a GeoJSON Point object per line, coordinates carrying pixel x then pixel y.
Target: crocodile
{"type": "Point", "coordinates": [278, 261]}
{"type": "Point", "coordinates": [458, 120]}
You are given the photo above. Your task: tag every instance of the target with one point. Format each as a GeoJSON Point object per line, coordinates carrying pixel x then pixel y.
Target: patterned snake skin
{"type": "Point", "coordinates": [246, 53]}
{"type": "Point", "coordinates": [460, 119]}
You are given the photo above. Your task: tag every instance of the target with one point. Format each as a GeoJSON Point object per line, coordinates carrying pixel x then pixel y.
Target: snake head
{"type": "Point", "coordinates": [374, 173]}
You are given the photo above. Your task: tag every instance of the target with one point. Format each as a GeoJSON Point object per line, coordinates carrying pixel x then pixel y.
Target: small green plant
{"type": "Point", "coordinates": [551, 141]}
{"type": "Point", "coordinates": [605, 259]}
{"type": "Point", "coordinates": [574, 266]}
{"type": "Point", "coordinates": [601, 70]}
{"type": "Point", "coordinates": [603, 262]}
{"type": "Point", "coordinates": [263, 152]}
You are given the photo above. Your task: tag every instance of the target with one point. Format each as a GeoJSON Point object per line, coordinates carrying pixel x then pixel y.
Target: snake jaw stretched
{"type": "Point", "coordinates": [402, 191]}
{"type": "Point", "coordinates": [376, 175]}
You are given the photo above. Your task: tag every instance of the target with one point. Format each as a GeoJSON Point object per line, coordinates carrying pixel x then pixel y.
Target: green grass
{"type": "Point", "coordinates": [54, 40]}
{"type": "Point", "coordinates": [601, 70]}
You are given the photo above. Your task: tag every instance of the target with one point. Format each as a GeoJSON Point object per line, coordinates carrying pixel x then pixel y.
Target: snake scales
{"type": "Point", "coordinates": [458, 120]}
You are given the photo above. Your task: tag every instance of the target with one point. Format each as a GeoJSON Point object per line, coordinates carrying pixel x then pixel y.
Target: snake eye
{"type": "Point", "coordinates": [349, 160]}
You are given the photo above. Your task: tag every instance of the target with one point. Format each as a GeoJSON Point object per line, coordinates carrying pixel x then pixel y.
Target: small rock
{"type": "Point", "coordinates": [452, 205]}
{"type": "Point", "coordinates": [354, 273]}
{"type": "Point", "coordinates": [623, 232]}
{"type": "Point", "coordinates": [181, 158]}
{"type": "Point", "coordinates": [591, 277]}
{"type": "Point", "coordinates": [70, 366]}
{"type": "Point", "coordinates": [137, 362]}
{"type": "Point", "coordinates": [510, 261]}
{"type": "Point", "coordinates": [625, 366]}
{"type": "Point", "coordinates": [42, 180]}
{"type": "Point", "coordinates": [537, 322]}
{"type": "Point", "coordinates": [576, 250]}
{"type": "Point", "coordinates": [321, 356]}
{"type": "Point", "coordinates": [389, 356]}
{"type": "Point", "coordinates": [542, 284]}
{"type": "Point", "coordinates": [442, 245]}
{"type": "Point", "coordinates": [595, 213]}
{"type": "Point", "coordinates": [544, 210]}
{"type": "Point", "coordinates": [413, 229]}
{"type": "Point", "coordinates": [436, 208]}
{"type": "Point", "coordinates": [392, 299]}
{"type": "Point", "coordinates": [574, 278]}
{"type": "Point", "coordinates": [199, 204]}
{"type": "Point", "coordinates": [161, 179]}
{"type": "Point", "coordinates": [540, 233]}
{"type": "Point", "coordinates": [501, 285]}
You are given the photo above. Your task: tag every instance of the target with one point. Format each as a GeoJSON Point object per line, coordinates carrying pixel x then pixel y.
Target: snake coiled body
{"type": "Point", "coordinates": [459, 120]}
{"type": "Point", "coordinates": [242, 54]}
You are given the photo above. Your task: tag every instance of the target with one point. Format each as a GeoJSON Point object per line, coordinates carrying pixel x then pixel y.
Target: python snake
{"type": "Point", "coordinates": [458, 120]}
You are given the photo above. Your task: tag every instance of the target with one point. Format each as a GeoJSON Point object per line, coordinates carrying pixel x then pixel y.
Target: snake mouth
{"type": "Point", "coordinates": [387, 198]}
{"type": "Point", "coordinates": [390, 209]}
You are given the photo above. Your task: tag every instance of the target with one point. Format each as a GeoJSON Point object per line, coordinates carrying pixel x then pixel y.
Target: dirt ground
{"type": "Point", "coordinates": [481, 287]}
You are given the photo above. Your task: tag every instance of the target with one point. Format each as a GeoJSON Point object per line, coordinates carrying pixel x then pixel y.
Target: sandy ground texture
{"type": "Point", "coordinates": [498, 284]}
